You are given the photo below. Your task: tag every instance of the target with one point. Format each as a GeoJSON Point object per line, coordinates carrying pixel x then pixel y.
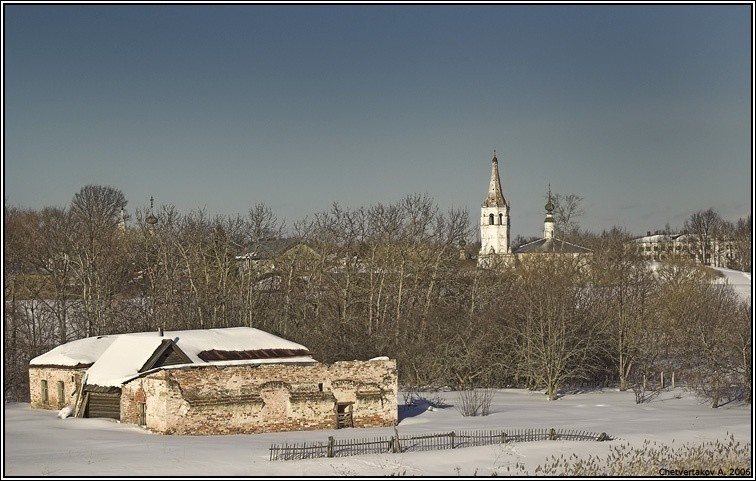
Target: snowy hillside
{"type": "Point", "coordinates": [739, 280]}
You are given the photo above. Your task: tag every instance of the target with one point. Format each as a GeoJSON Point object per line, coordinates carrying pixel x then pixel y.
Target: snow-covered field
{"type": "Point", "coordinates": [38, 443]}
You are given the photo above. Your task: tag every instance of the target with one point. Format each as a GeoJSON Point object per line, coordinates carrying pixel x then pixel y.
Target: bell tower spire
{"type": "Point", "coordinates": [495, 197]}
{"type": "Point", "coordinates": [494, 218]}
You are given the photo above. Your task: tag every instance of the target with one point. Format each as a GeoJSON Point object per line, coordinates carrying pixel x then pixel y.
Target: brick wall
{"type": "Point", "coordinates": [70, 377]}
{"type": "Point", "coordinates": [243, 399]}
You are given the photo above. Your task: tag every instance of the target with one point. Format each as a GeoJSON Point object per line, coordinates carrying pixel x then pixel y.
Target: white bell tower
{"type": "Point", "coordinates": [548, 222]}
{"type": "Point", "coordinates": [494, 218]}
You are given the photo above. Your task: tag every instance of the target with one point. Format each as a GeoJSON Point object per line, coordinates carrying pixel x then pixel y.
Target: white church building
{"type": "Point", "coordinates": [495, 248]}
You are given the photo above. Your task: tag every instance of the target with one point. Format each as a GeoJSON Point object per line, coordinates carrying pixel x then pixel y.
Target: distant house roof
{"type": "Point", "coordinates": [116, 359]}
{"type": "Point", "coordinates": [677, 238]}
{"type": "Point", "coordinates": [270, 249]}
{"type": "Point", "coordinates": [551, 245]}
{"type": "Point", "coordinates": [654, 238]}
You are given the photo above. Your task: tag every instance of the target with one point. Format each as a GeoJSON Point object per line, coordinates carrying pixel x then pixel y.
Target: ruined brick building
{"type": "Point", "coordinates": [215, 381]}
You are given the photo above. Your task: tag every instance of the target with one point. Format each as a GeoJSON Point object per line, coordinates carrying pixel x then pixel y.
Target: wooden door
{"type": "Point", "coordinates": [104, 405]}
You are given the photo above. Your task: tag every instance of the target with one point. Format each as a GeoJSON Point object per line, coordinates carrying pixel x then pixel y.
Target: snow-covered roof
{"type": "Point", "coordinates": [227, 339]}
{"type": "Point", "coordinates": [79, 353]}
{"type": "Point", "coordinates": [122, 360]}
{"type": "Point", "coordinates": [685, 238]}
{"type": "Point", "coordinates": [118, 358]}
{"type": "Point", "coordinates": [551, 245]}
{"type": "Point", "coordinates": [654, 238]}
{"type": "Point", "coordinates": [271, 248]}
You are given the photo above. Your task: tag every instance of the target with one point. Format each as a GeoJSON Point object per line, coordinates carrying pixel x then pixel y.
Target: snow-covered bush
{"type": "Point", "coordinates": [65, 412]}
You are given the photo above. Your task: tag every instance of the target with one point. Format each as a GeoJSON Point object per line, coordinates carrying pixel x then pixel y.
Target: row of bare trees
{"type": "Point", "coordinates": [710, 232]}
{"type": "Point", "coordinates": [389, 279]}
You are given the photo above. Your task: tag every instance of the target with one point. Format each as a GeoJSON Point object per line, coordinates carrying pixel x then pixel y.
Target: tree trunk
{"type": "Point", "coordinates": [715, 391]}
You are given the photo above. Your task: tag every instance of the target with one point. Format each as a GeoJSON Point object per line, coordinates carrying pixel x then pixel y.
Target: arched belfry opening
{"type": "Point", "coordinates": [490, 219]}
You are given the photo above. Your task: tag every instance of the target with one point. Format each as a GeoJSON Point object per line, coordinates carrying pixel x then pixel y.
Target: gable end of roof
{"type": "Point", "coordinates": [167, 354]}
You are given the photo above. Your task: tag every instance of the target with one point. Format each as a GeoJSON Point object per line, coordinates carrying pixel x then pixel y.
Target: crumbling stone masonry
{"type": "Point", "coordinates": [242, 399]}
{"type": "Point", "coordinates": [54, 387]}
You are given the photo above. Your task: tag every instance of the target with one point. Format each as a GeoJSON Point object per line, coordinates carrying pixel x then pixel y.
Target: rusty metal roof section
{"type": "Point", "coordinates": [216, 355]}
{"type": "Point", "coordinates": [495, 196]}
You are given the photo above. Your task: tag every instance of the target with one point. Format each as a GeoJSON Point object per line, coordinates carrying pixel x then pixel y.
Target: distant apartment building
{"type": "Point", "coordinates": [711, 251]}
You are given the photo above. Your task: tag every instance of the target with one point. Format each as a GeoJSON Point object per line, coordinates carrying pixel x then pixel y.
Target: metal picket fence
{"type": "Point", "coordinates": [427, 442]}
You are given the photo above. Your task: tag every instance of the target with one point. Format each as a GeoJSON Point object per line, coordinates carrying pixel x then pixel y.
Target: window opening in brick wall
{"type": "Point", "coordinates": [61, 394]}
{"type": "Point", "coordinates": [44, 391]}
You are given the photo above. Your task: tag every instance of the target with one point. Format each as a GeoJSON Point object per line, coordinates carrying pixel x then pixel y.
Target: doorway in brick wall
{"type": "Point", "coordinates": [142, 414]}
{"type": "Point", "coordinates": [344, 415]}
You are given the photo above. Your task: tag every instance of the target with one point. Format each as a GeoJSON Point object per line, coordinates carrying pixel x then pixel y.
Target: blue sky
{"type": "Point", "coordinates": [643, 110]}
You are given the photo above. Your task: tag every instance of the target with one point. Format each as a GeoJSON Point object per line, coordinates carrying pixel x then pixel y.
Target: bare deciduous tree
{"type": "Point", "coordinates": [97, 254]}
{"type": "Point", "coordinates": [703, 227]}
{"type": "Point", "coordinates": [556, 337]}
{"type": "Point", "coordinates": [737, 242]}
{"type": "Point", "coordinates": [624, 283]}
{"type": "Point", "coordinates": [567, 209]}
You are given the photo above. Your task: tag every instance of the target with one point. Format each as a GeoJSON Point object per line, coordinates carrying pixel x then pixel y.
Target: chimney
{"type": "Point", "coordinates": [648, 233]}
{"type": "Point", "coordinates": [160, 331]}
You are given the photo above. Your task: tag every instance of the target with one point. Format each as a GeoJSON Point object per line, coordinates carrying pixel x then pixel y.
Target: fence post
{"type": "Point", "coordinates": [662, 379]}
{"type": "Point", "coordinates": [552, 434]}
{"type": "Point", "coordinates": [396, 447]}
{"type": "Point", "coordinates": [644, 382]}
{"type": "Point", "coordinates": [330, 446]}
{"type": "Point", "coordinates": [673, 379]}
{"type": "Point", "coordinates": [503, 437]}
{"type": "Point", "coordinates": [451, 435]}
